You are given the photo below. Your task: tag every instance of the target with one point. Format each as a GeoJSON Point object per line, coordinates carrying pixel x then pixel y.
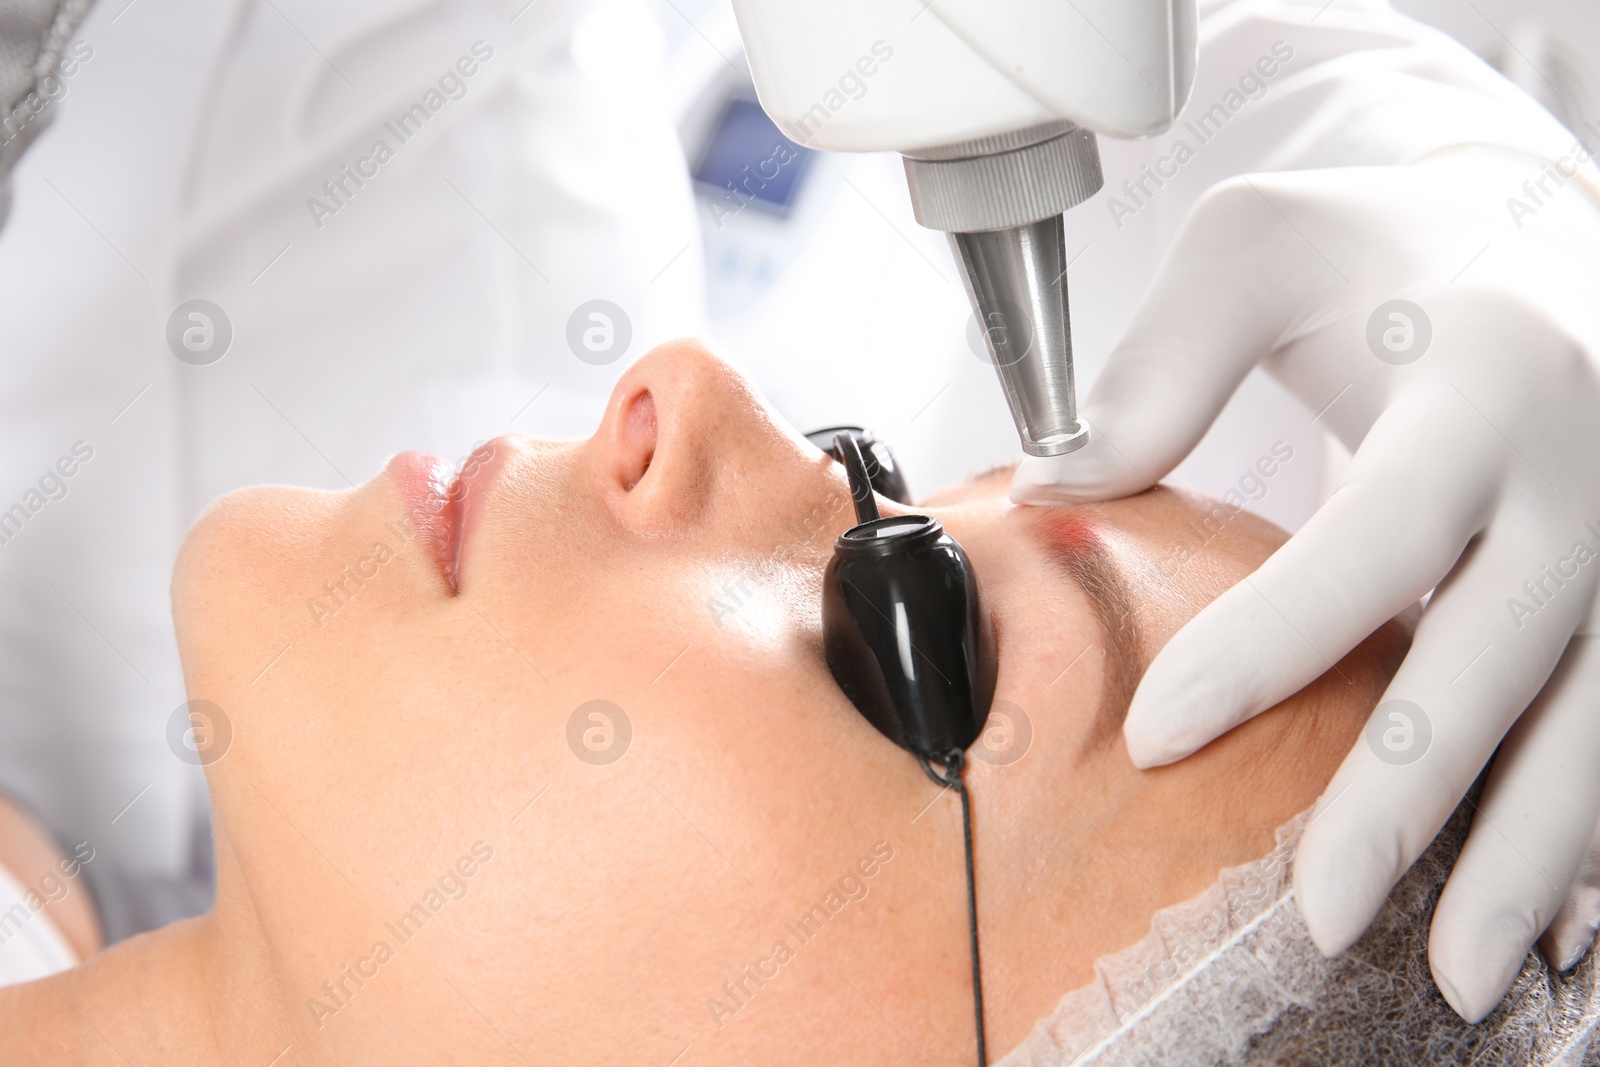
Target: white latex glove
{"type": "Point", "coordinates": [1476, 469]}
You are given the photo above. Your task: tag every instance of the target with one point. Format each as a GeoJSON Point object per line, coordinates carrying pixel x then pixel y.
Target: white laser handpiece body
{"type": "Point", "coordinates": [953, 71]}
{"type": "Point", "coordinates": [995, 105]}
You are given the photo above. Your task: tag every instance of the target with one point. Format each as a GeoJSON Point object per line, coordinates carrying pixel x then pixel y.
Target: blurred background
{"type": "Point", "coordinates": [356, 303]}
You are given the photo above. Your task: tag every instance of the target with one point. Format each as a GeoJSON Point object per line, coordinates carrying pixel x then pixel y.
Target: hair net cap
{"type": "Point", "coordinates": [1231, 977]}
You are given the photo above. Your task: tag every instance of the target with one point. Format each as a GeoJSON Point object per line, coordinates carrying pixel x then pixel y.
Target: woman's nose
{"type": "Point", "coordinates": [687, 443]}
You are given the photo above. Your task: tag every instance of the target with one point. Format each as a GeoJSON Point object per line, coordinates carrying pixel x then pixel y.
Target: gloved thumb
{"type": "Point", "coordinates": [1212, 314]}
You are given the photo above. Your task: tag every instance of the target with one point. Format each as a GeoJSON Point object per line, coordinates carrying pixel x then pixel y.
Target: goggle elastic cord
{"type": "Point", "coordinates": [849, 451]}
{"type": "Point", "coordinates": [955, 762]}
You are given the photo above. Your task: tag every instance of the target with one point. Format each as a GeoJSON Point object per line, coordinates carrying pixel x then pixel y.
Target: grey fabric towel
{"type": "Point", "coordinates": [32, 36]}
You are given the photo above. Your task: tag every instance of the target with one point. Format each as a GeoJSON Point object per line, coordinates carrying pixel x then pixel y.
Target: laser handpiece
{"type": "Point", "coordinates": [995, 106]}
{"type": "Point", "coordinates": [1001, 200]}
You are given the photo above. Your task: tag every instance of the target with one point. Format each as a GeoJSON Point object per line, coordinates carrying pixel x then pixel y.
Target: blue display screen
{"type": "Point", "coordinates": [748, 161]}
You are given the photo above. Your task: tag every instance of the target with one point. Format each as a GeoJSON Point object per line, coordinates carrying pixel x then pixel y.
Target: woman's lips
{"type": "Point", "coordinates": [427, 487]}
{"type": "Point", "coordinates": [443, 504]}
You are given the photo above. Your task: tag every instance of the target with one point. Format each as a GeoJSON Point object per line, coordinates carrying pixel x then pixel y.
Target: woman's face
{"type": "Point", "coordinates": [409, 671]}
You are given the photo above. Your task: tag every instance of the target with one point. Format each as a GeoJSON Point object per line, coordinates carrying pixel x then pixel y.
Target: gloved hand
{"type": "Point", "coordinates": [1473, 412]}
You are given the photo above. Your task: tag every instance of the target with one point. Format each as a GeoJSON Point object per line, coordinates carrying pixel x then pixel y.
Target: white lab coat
{"type": "Point", "coordinates": [430, 310]}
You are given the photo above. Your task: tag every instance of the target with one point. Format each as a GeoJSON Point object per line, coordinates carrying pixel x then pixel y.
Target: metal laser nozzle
{"type": "Point", "coordinates": [1001, 200]}
{"type": "Point", "coordinates": [1017, 282]}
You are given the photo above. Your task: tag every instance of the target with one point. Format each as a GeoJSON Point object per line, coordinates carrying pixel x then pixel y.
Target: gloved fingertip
{"type": "Point", "coordinates": [1338, 894]}
{"type": "Point", "coordinates": [1476, 947]}
{"type": "Point", "coordinates": [1039, 495]}
{"type": "Point", "coordinates": [1475, 982]}
{"type": "Point", "coordinates": [1048, 481]}
{"type": "Point", "coordinates": [1328, 933]}
{"type": "Point", "coordinates": [1183, 703]}
{"type": "Point", "coordinates": [1563, 951]}
{"type": "Point", "coordinates": [1572, 932]}
{"type": "Point", "coordinates": [1094, 472]}
{"type": "Point", "coordinates": [1151, 743]}
{"type": "Point", "coordinates": [1452, 997]}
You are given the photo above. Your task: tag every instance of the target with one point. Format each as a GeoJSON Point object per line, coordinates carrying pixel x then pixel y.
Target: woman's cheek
{"type": "Point", "coordinates": [761, 604]}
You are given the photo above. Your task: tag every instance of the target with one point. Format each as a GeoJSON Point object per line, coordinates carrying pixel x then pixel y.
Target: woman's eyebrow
{"type": "Point", "coordinates": [1074, 548]}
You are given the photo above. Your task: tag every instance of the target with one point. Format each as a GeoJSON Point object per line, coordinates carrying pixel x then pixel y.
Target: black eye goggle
{"type": "Point", "coordinates": [903, 625]}
{"type": "Point", "coordinates": [906, 636]}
